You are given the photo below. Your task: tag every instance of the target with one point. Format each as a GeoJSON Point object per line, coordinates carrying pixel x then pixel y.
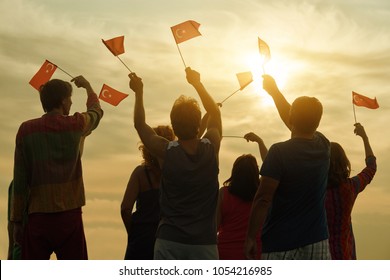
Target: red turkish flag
{"type": "Point", "coordinates": [185, 31]}
{"type": "Point", "coordinates": [112, 96]}
{"type": "Point", "coordinates": [361, 100]}
{"type": "Point", "coordinates": [115, 45]}
{"type": "Point", "coordinates": [43, 75]}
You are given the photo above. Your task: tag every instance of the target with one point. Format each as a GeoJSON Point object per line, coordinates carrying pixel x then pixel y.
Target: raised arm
{"type": "Point", "coordinates": [281, 103]}
{"type": "Point", "coordinates": [359, 130]}
{"type": "Point", "coordinates": [214, 124]}
{"type": "Point", "coordinates": [94, 111]}
{"type": "Point", "coordinates": [155, 144]}
{"type": "Point", "coordinates": [255, 138]}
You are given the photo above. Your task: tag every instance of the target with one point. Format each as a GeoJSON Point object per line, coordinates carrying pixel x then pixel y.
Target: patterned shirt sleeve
{"type": "Point", "coordinates": [93, 114]}
{"type": "Point", "coordinates": [361, 180]}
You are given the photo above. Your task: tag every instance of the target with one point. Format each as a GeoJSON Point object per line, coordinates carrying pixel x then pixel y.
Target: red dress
{"type": "Point", "coordinates": [233, 227]}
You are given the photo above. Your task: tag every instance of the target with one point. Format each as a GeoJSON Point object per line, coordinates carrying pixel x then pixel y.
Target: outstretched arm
{"type": "Point", "coordinates": [94, 111]}
{"type": "Point", "coordinates": [359, 130]}
{"type": "Point", "coordinates": [255, 138]}
{"type": "Point", "coordinates": [214, 124]}
{"type": "Point", "coordinates": [155, 144]}
{"type": "Point", "coordinates": [281, 103]}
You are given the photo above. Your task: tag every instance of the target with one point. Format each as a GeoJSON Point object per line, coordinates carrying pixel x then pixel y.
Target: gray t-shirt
{"type": "Point", "coordinates": [189, 193]}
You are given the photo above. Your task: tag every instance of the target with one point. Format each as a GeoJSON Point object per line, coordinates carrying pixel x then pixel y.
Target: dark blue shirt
{"type": "Point", "coordinates": [297, 215]}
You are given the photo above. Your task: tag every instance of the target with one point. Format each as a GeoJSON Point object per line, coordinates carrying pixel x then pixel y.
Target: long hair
{"type": "Point", "coordinates": [340, 167]}
{"type": "Point", "coordinates": [163, 131]}
{"type": "Point", "coordinates": [244, 180]}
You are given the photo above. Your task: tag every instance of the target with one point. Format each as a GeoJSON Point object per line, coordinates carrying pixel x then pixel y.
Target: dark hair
{"type": "Point", "coordinates": [340, 167]}
{"type": "Point", "coordinates": [163, 131]}
{"type": "Point", "coordinates": [185, 118]}
{"type": "Point", "coordinates": [53, 93]}
{"type": "Point", "coordinates": [244, 180]}
{"type": "Point", "coordinates": [305, 114]}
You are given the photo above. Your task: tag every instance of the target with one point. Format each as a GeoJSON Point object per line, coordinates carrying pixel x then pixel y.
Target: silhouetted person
{"type": "Point", "coordinates": [341, 195]}
{"type": "Point", "coordinates": [189, 188]}
{"type": "Point", "coordinates": [235, 203]}
{"type": "Point", "coordinates": [143, 189]}
{"type": "Point", "coordinates": [48, 181]}
{"type": "Point", "coordinates": [289, 204]}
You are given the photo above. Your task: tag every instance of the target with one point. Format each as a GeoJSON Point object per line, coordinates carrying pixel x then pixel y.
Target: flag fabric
{"type": "Point", "coordinates": [110, 95]}
{"type": "Point", "coordinates": [264, 50]}
{"type": "Point", "coordinates": [364, 101]}
{"type": "Point", "coordinates": [185, 31]}
{"type": "Point", "coordinates": [115, 45]}
{"type": "Point", "coordinates": [244, 79]}
{"type": "Point", "coordinates": [43, 75]}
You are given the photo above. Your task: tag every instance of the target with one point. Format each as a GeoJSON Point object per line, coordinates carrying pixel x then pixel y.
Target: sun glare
{"type": "Point", "coordinates": [254, 62]}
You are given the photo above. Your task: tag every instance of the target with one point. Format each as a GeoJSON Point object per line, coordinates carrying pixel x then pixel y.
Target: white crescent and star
{"type": "Point", "coordinates": [104, 93]}
{"type": "Point", "coordinates": [356, 98]}
{"type": "Point", "coordinates": [180, 32]}
{"type": "Point", "coordinates": [49, 67]}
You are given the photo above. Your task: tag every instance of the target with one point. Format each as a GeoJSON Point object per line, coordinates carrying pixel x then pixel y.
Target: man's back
{"type": "Point", "coordinates": [189, 194]}
{"type": "Point", "coordinates": [297, 217]}
{"type": "Point", "coordinates": [50, 150]}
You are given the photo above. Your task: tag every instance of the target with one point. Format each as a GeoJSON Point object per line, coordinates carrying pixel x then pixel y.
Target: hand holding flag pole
{"type": "Point", "coordinates": [116, 47]}
{"type": "Point", "coordinates": [244, 79]}
{"type": "Point", "coordinates": [183, 32]}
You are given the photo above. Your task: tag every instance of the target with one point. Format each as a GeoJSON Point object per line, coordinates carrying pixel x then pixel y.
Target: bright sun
{"type": "Point", "coordinates": [273, 67]}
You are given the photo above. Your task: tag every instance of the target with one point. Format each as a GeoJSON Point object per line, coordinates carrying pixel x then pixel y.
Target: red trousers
{"type": "Point", "coordinates": [61, 233]}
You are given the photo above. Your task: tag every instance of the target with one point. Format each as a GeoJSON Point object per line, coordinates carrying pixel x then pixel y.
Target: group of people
{"type": "Point", "coordinates": [297, 205]}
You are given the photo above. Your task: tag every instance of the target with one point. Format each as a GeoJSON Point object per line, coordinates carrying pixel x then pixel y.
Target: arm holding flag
{"type": "Point", "coordinates": [255, 138]}
{"type": "Point", "coordinates": [359, 130]}
{"type": "Point", "coordinates": [153, 142]}
{"type": "Point", "coordinates": [214, 124]}
{"type": "Point", "coordinates": [94, 112]}
{"type": "Point", "coordinates": [281, 103]}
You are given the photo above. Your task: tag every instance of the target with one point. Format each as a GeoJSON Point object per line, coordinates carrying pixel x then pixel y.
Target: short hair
{"type": "Point", "coordinates": [163, 131]}
{"type": "Point", "coordinates": [305, 114]}
{"type": "Point", "coordinates": [244, 180]}
{"type": "Point", "coordinates": [185, 118]}
{"type": "Point", "coordinates": [53, 93]}
{"type": "Point", "coordinates": [339, 167]}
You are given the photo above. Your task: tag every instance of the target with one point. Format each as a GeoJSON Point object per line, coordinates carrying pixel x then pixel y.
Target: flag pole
{"type": "Point", "coordinates": [229, 96]}
{"type": "Point", "coordinates": [62, 70]}
{"type": "Point", "coordinates": [124, 64]}
{"type": "Point", "coordinates": [177, 45]}
{"type": "Point", "coordinates": [65, 72]}
{"type": "Point", "coordinates": [263, 69]}
{"type": "Point", "coordinates": [354, 113]}
{"type": "Point", "coordinates": [231, 136]}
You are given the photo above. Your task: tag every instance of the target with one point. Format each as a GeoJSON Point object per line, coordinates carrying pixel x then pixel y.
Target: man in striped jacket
{"type": "Point", "coordinates": [48, 182]}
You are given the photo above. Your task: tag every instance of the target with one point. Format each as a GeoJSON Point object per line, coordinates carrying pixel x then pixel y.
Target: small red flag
{"type": "Point", "coordinates": [115, 45]}
{"type": "Point", "coordinates": [361, 100]}
{"type": "Point", "coordinates": [185, 31]}
{"type": "Point", "coordinates": [244, 78]}
{"type": "Point", "coordinates": [111, 95]}
{"type": "Point", "coordinates": [43, 75]}
{"type": "Point", "coordinates": [264, 50]}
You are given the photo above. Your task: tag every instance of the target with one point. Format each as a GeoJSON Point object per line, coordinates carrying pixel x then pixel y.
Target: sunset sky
{"type": "Point", "coordinates": [325, 49]}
